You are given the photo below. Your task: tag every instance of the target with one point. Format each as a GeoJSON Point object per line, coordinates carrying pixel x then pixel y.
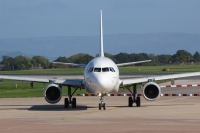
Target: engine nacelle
{"type": "Point", "coordinates": [52, 93]}
{"type": "Point", "coordinates": [151, 91]}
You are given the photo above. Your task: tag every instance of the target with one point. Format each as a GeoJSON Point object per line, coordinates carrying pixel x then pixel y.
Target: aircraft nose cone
{"type": "Point", "coordinates": [106, 83]}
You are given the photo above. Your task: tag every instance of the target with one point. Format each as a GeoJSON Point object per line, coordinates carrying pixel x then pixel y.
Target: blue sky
{"type": "Point", "coordinates": [46, 18]}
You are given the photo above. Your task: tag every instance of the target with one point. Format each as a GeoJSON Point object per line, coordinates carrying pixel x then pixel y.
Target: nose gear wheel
{"type": "Point", "coordinates": [102, 104]}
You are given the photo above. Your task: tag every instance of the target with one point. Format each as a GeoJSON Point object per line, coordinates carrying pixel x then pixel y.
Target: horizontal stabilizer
{"type": "Point", "coordinates": [132, 63]}
{"type": "Point", "coordinates": [70, 64]}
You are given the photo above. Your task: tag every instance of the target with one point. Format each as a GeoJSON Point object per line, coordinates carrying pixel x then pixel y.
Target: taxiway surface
{"type": "Point", "coordinates": [168, 114]}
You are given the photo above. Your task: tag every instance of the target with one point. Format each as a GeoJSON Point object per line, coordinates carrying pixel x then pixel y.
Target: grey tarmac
{"type": "Point", "coordinates": [168, 114]}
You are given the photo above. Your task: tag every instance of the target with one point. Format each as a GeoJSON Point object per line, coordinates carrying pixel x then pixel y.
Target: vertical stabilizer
{"type": "Point", "coordinates": [101, 30]}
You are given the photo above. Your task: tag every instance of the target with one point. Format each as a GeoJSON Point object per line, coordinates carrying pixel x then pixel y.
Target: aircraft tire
{"type": "Point", "coordinates": [138, 102]}
{"type": "Point", "coordinates": [99, 106]}
{"type": "Point", "coordinates": [66, 103]}
{"type": "Point", "coordinates": [104, 106]}
{"type": "Point", "coordinates": [74, 102]}
{"type": "Point", "coordinates": [130, 102]}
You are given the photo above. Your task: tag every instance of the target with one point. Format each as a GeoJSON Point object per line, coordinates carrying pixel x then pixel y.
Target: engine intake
{"type": "Point", "coordinates": [151, 91]}
{"type": "Point", "coordinates": [52, 93]}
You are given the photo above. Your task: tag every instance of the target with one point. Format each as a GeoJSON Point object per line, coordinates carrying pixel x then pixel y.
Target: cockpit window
{"type": "Point", "coordinates": [112, 69]}
{"type": "Point", "coordinates": [91, 69]}
{"type": "Point", "coordinates": [97, 69]}
{"type": "Point", "coordinates": [105, 69]}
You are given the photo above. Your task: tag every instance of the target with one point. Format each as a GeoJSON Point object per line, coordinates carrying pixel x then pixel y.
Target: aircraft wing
{"type": "Point", "coordinates": [74, 83]}
{"type": "Point", "coordinates": [131, 81]}
{"type": "Point", "coordinates": [70, 64]}
{"type": "Point", "coordinates": [132, 63]}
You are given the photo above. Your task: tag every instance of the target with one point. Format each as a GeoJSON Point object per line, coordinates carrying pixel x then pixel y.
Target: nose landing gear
{"type": "Point", "coordinates": [102, 104]}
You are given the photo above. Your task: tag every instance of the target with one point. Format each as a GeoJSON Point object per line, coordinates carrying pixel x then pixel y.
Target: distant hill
{"type": "Point", "coordinates": [52, 47]}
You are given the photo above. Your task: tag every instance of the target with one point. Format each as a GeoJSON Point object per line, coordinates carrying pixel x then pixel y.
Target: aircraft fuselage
{"type": "Point", "coordinates": [101, 76]}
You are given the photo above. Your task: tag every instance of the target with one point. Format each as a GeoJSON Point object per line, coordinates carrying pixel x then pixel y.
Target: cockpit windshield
{"type": "Point", "coordinates": [91, 69]}
{"type": "Point", "coordinates": [97, 69]}
{"type": "Point", "coordinates": [112, 69]}
{"type": "Point", "coordinates": [105, 69]}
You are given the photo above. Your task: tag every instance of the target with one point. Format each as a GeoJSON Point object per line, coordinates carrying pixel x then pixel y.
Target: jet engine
{"type": "Point", "coordinates": [52, 93]}
{"type": "Point", "coordinates": [151, 91]}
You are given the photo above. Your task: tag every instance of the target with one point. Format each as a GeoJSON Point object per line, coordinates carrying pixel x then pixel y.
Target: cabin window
{"type": "Point", "coordinates": [105, 69]}
{"type": "Point", "coordinates": [97, 69]}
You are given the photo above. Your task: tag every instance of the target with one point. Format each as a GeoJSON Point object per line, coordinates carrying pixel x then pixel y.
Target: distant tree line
{"type": "Point", "coordinates": [181, 56]}
{"type": "Point", "coordinates": [26, 63]}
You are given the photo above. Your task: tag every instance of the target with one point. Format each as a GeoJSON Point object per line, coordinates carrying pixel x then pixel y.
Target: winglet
{"type": "Point", "coordinates": [101, 32]}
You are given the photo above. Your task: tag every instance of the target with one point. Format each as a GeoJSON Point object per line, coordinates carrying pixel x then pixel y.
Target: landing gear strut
{"type": "Point", "coordinates": [102, 104]}
{"type": "Point", "coordinates": [134, 98]}
{"type": "Point", "coordinates": [70, 100]}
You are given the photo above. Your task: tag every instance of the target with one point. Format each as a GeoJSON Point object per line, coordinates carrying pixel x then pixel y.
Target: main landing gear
{"type": "Point", "coordinates": [102, 104]}
{"type": "Point", "coordinates": [134, 98]}
{"type": "Point", "coordinates": [70, 100]}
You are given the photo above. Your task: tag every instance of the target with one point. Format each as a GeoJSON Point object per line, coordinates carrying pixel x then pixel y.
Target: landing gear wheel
{"type": "Point", "coordinates": [138, 101]}
{"type": "Point", "coordinates": [130, 102]}
{"type": "Point", "coordinates": [104, 106]}
{"type": "Point", "coordinates": [99, 106]}
{"type": "Point", "coordinates": [66, 102]}
{"type": "Point", "coordinates": [74, 102]}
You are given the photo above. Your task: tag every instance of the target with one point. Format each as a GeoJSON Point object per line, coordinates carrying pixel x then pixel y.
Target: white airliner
{"type": "Point", "coordinates": [101, 76]}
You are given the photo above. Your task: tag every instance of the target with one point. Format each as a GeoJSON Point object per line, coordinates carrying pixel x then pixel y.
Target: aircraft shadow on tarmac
{"type": "Point", "coordinates": [78, 108]}
{"type": "Point", "coordinates": [43, 107]}
{"type": "Point", "coordinates": [56, 108]}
